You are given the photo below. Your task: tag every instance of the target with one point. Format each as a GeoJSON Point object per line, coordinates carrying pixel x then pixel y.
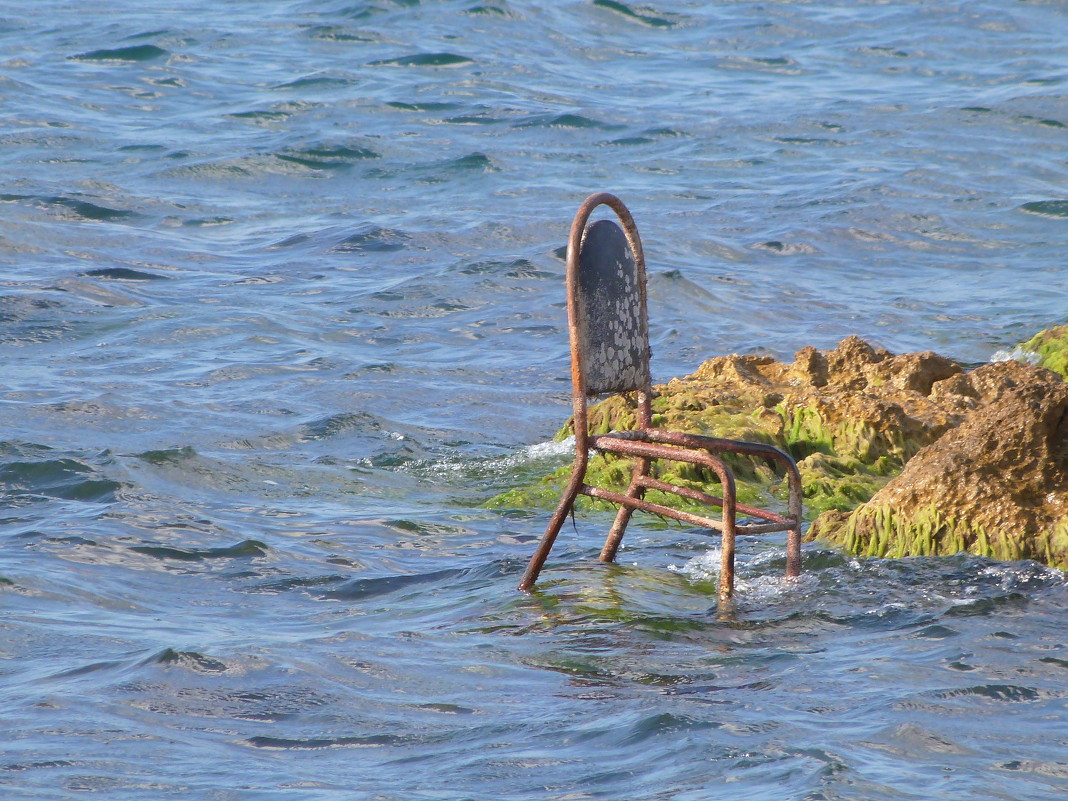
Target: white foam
{"type": "Point", "coordinates": [773, 586]}
{"type": "Point", "coordinates": [761, 587]}
{"type": "Point", "coordinates": [1017, 354]}
{"type": "Point", "coordinates": [545, 450]}
{"type": "Point", "coordinates": [532, 453]}
{"type": "Point", "coordinates": [703, 567]}
{"type": "Point", "coordinates": [500, 464]}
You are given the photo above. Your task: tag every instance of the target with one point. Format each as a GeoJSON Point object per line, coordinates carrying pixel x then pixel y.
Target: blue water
{"type": "Point", "coordinates": [281, 306]}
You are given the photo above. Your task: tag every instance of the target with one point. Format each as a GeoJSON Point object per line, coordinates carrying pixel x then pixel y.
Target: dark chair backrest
{"type": "Point", "coordinates": [612, 321]}
{"type": "Point", "coordinates": [607, 305]}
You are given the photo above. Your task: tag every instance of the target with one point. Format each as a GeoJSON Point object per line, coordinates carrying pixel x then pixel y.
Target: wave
{"type": "Point", "coordinates": [328, 157]}
{"type": "Point", "coordinates": [72, 208]}
{"type": "Point", "coordinates": [133, 53]}
{"type": "Point", "coordinates": [637, 15]}
{"type": "Point", "coordinates": [191, 660]}
{"type": "Point", "coordinates": [373, 239]}
{"type": "Point", "coordinates": [568, 120]}
{"type": "Point", "coordinates": [318, 743]}
{"type": "Point", "coordinates": [1057, 209]}
{"type": "Point", "coordinates": [242, 550]}
{"type": "Point", "coordinates": [124, 274]}
{"type": "Point", "coordinates": [530, 456]}
{"type": "Point", "coordinates": [59, 477]}
{"type": "Point", "coordinates": [423, 60]}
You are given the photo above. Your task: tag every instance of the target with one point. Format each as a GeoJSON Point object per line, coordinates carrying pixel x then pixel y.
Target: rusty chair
{"type": "Point", "coordinates": [608, 324]}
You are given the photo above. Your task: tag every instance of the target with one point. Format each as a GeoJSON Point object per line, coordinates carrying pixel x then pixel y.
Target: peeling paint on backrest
{"type": "Point", "coordinates": [612, 323]}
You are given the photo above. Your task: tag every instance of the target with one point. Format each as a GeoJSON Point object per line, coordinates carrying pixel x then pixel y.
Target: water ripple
{"type": "Point", "coordinates": [282, 301]}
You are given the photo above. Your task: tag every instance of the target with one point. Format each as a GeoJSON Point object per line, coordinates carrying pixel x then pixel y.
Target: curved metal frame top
{"type": "Point", "coordinates": [574, 252]}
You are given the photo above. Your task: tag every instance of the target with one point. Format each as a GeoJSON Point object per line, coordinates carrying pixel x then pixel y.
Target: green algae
{"type": "Point", "coordinates": [685, 411]}
{"type": "Point", "coordinates": [841, 465]}
{"type": "Point", "coordinates": [882, 531]}
{"type": "Point", "coordinates": [1051, 347]}
{"type": "Point", "coordinates": [1054, 546]}
{"type": "Point", "coordinates": [884, 451]}
{"type": "Point", "coordinates": [840, 483]}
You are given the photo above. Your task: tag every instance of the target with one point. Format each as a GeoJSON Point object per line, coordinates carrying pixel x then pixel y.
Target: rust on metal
{"type": "Point", "coordinates": [652, 508]}
{"type": "Point", "coordinates": [609, 332]}
{"type": "Point", "coordinates": [782, 522]}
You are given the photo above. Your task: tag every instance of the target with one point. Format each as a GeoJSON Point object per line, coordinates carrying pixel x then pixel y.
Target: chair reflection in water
{"type": "Point", "coordinates": [608, 324]}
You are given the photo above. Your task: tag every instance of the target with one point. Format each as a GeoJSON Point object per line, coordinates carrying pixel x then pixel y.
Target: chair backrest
{"type": "Point", "coordinates": [606, 302]}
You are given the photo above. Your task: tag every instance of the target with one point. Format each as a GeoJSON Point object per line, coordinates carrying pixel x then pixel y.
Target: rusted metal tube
{"type": "Point", "coordinates": [712, 500]}
{"type": "Point", "coordinates": [682, 439]}
{"type": "Point", "coordinates": [619, 525]}
{"type": "Point", "coordinates": [650, 437]}
{"type": "Point", "coordinates": [629, 501]}
{"type": "Point", "coordinates": [537, 561]}
{"type": "Point", "coordinates": [652, 508]}
{"type": "Point", "coordinates": [793, 538]}
{"type": "Point", "coordinates": [762, 528]}
{"type": "Point", "coordinates": [730, 496]}
{"type": "Point", "coordinates": [631, 448]}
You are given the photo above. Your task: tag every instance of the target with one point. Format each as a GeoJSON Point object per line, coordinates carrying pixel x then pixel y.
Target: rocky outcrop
{"type": "Point", "coordinates": [851, 416]}
{"type": "Point", "coordinates": [995, 485]}
{"type": "Point", "coordinates": [899, 455]}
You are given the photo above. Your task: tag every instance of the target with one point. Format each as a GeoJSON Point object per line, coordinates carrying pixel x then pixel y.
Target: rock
{"type": "Point", "coordinates": [916, 371]}
{"type": "Point", "coordinates": [899, 454]}
{"type": "Point", "coordinates": [810, 366]}
{"type": "Point", "coordinates": [996, 485]}
{"type": "Point", "coordinates": [851, 416]}
{"type": "Point", "coordinates": [847, 364]}
{"type": "Point", "coordinates": [1050, 348]}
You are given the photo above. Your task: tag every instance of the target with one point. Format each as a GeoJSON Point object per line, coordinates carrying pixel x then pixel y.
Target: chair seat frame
{"type": "Point", "coordinates": [647, 444]}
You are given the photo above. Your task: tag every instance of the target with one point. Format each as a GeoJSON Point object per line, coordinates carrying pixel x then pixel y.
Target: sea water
{"type": "Point", "coordinates": [281, 307]}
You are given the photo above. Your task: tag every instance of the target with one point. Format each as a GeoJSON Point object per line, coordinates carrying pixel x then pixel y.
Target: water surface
{"type": "Point", "coordinates": [281, 306]}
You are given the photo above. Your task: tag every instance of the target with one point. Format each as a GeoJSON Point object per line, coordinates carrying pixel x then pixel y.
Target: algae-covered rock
{"type": "Point", "coordinates": [851, 417]}
{"type": "Point", "coordinates": [996, 485]}
{"type": "Point", "coordinates": [1051, 348]}
{"type": "Point", "coordinates": [899, 454]}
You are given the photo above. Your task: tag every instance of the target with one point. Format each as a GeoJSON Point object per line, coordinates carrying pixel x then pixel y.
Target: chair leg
{"type": "Point", "coordinates": [730, 517]}
{"type": "Point", "coordinates": [555, 524]}
{"type": "Point", "coordinates": [726, 569]}
{"type": "Point", "coordinates": [793, 552]}
{"type": "Point", "coordinates": [619, 525]}
{"type": "Point", "coordinates": [615, 534]}
{"type": "Point", "coordinates": [793, 536]}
